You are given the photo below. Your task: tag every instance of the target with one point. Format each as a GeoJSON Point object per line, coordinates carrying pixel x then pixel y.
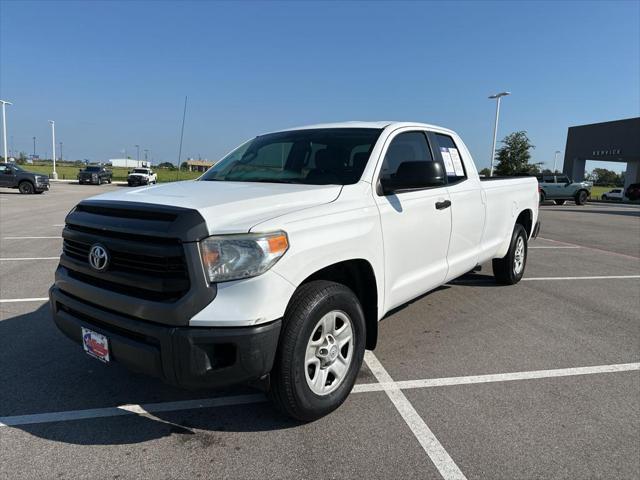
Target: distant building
{"type": "Point", "coordinates": [128, 163]}
{"type": "Point", "coordinates": [198, 165]}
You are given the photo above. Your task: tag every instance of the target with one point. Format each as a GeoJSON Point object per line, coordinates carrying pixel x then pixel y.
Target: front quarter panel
{"type": "Point", "coordinates": [346, 229]}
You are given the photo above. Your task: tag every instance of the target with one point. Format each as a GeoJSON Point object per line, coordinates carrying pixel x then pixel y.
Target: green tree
{"type": "Point", "coordinates": [485, 172]}
{"type": "Point", "coordinates": [168, 165]}
{"type": "Point", "coordinates": [514, 155]}
{"type": "Point", "coordinates": [602, 176]}
{"type": "Point", "coordinates": [184, 166]}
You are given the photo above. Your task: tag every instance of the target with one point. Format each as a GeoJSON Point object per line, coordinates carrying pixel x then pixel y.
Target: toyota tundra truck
{"type": "Point", "coordinates": [276, 265]}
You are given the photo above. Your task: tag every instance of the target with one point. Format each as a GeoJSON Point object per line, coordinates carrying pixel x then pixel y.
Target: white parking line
{"type": "Point", "coordinates": [594, 277]}
{"type": "Point", "coordinates": [555, 247]}
{"type": "Point", "coordinates": [27, 238]}
{"type": "Point", "coordinates": [15, 300]}
{"type": "Point", "coordinates": [16, 259]}
{"type": "Point", "coordinates": [386, 384]}
{"type": "Point", "coordinates": [500, 377]}
{"type": "Point", "coordinates": [430, 444]}
{"type": "Point", "coordinates": [589, 248]}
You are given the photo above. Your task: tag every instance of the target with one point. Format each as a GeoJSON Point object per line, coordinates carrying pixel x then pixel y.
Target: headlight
{"type": "Point", "coordinates": [232, 257]}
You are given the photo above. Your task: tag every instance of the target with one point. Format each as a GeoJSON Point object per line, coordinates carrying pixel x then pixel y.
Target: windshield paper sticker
{"type": "Point", "coordinates": [448, 163]}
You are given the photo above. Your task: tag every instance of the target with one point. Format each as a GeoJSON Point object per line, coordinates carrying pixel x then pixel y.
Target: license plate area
{"type": "Point", "coordinates": [95, 344]}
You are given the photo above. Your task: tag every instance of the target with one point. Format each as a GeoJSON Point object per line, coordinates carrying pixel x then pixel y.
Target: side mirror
{"type": "Point", "coordinates": [128, 172]}
{"type": "Point", "coordinates": [413, 175]}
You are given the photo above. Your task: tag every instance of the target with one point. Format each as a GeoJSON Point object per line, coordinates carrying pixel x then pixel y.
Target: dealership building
{"type": "Point", "coordinates": [616, 141]}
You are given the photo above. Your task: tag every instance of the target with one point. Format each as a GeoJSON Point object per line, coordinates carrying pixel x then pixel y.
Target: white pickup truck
{"type": "Point", "coordinates": [141, 176]}
{"type": "Point", "coordinates": [275, 267]}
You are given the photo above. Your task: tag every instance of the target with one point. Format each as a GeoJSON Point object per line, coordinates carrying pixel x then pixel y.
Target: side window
{"type": "Point", "coordinates": [451, 157]}
{"type": "Point", "coordinates": [4, 170]}
{"type": "Point", "coordinates": [548, 179]}
{"type": "Point", "coordinates": [562, 179]}
{"type": "Point", "coordinates": [408, 147]}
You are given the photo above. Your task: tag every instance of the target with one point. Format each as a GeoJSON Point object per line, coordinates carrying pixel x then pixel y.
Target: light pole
{"type": "Point", "coordinates": [60, 157]}
{"type": "Point", "coordinates": [497, 96]}
{"type": "Point", "coordinates": [137, 152]}
{"type": "Point", "coordinates": [146, 154]}
{"type": "Point", "coordinates": [4, 128]}
{"type": "Point", "coordinates": [54, 175]}
{"type": "Point", "coordinates": [34, 148]}
{"type": "Point", "coordinates": [555, 160]}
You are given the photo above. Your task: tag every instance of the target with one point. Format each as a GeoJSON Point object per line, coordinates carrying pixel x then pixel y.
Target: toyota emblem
{"type": "Point", "coordinates": [98, 258]}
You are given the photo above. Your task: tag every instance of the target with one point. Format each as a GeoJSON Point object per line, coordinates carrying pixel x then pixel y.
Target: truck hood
{"type": "Point", "coordinates": [230, 207]}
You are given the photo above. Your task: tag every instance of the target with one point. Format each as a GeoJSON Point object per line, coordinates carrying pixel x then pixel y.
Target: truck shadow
{"type": "Point", "coordinates": [42, 372]}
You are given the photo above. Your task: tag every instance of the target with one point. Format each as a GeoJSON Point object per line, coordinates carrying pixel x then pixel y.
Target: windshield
{"type": "Point", "coordinates": [140, 170]}
{"type": "Point", "coordinates": [92, 169]}
{"type": "Point", "coordinates": [315, 156]}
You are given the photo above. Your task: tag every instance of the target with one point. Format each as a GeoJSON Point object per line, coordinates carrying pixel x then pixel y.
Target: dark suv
{"type": "Point", "coordinates": [94, 174]}
{"type": "Point", "coordinates": [633, 191]}
{"type": "Point", "coordinates": [13, 176]}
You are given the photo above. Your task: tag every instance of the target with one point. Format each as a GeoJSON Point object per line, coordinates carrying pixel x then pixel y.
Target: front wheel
{"type": "Point", "coordinates": [509, 269]}
{"type": "Point", "coordinates": [320, 351]}
{"type": "Point", "coordinates": [26, 188]}
{"type": "Point", "coordinates": [581, 197]}
{"type": "Point", "coordinates": [559, 202]}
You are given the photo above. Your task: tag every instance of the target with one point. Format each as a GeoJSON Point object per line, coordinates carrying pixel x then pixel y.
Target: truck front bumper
{"type": "Point", "coordinates": [189, 357]}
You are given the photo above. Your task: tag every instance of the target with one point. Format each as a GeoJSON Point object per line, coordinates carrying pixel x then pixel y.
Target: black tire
{"type": "Point", "coordinates": [25, 187]}
{"type": "Point", "coordinates": [559, 202]}
{"type": "Point", "coordinates": [108, 180]}
{"type": "Point", "coordinates": [543, 197]}
{"type": "Point", "coordinates": [604, 197]}
{"type": "Point", "coordinates": [504, 269]}
{"type": "Point", "coordinates": [581, 197]}
{"type": "Point", "coordinates": [289, 390]}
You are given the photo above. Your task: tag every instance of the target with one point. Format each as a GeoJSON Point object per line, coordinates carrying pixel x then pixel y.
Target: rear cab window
{"type": "Point", "coordinates": [453, 163]}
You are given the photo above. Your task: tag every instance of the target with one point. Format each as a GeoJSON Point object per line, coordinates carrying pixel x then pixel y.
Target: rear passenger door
{"type": "Point", "coordinates": [467, 206]}
{"type": "Point", "coordinates": [416, 223]}
{"type": "Point", "coordinates": [564, 187]}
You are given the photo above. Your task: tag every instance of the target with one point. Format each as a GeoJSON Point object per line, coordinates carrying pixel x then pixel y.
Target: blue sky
{"type": "Point", "coordinates": [114, 74]}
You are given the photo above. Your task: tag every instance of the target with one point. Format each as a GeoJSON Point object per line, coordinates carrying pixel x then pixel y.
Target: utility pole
{"type": "Point", "coordinates": [146, 156]}
{"type": "Point", "coordinates": [34, 148]}
{"type": "Point", "coordinates": [4, 128]}
{"type": "Point", "coordinates": [137, 152]}
{"type": "Point", "coordinates": [555, 160]}
{"type": "Point", "coordinates": [497, 97]}
{"type": "Point", "coordinates": [54, 175]}
{"type": "Point", "coordinates": [60, 157]}
{"type": "Point", "coordinates": [184, 114]}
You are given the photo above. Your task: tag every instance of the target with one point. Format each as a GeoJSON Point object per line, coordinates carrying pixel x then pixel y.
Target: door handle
{"type": "Point", "coordinates": [443, 205]}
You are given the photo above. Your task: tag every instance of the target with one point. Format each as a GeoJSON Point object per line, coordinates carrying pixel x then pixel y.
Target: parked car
{"type": "Point", "coordinates": [94, 174]}
{"type": "Point", "coordinates": [13, 176]}
{"type": "Point", "coordinates": [633, 191]}
{"type": "Point", "coordinates": [615, 194]}
{"type": "Point", "coordinates": [141, 176]}
{"type": "Point", "coordinates": [276, 265]}
{"type": "Point", "coordinates": [561, 188]}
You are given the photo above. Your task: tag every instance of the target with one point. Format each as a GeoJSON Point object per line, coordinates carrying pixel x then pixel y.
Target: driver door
{"type": "Point", "coordinates": [416, 224]}
{"type": "Point", "coordinates": [7, 176]}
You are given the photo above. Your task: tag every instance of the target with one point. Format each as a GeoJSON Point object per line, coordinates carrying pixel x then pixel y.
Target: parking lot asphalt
{"type": "Point", "coordinates": [537, 380]}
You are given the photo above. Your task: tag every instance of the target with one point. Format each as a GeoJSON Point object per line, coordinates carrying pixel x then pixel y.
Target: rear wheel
{"type": "Point", "coordinates": [559, 202]}
{"type": "Point", "coordinates": [320, 351]}
{"type": "Point", "coordinates": [509, 269]}
{"type": "Point", "coordinates": [581, 197]}
{"type": "Point", "coordinates": [26, 187]}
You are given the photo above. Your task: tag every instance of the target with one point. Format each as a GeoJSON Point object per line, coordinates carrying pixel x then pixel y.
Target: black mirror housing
{"type": "Point", "coordinates": [415, 175]}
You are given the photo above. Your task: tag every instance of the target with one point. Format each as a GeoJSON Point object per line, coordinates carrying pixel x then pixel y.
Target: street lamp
{"type": "Point", "coordinates": [146, 154]}
{"type": "Point", "coordinates": [555, 160]}
{"type": "Point", "coordinates": [137, 152]}
{"type": "Point", "coordinates": [497, 96]}
{"type": "Point", "coordinates": [60, 143]}
{"type": "Point", "coordinates": [4, 128]}
{"type": "Point", "coordinates": [54, 175]}
{"type": "Point", "coordinates": [34, 148]}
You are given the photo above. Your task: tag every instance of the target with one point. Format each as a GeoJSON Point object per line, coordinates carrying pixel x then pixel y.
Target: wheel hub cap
{"type": "Point", "coordinates": [329, 352]}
